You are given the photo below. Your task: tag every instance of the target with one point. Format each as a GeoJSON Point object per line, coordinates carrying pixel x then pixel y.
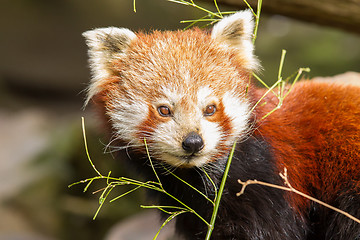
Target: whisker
{"type": "Point", "coordinates": [204, 180]}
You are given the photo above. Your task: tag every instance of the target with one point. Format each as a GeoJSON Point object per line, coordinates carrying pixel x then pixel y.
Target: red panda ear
{"type": "Point", "coordinates": [236, 31]}
{"type": "Point", "coordinates": [105, 45]}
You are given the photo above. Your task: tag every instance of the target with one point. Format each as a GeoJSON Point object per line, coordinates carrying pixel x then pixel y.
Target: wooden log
{"type": "Point", "coordinates": [344, 14]}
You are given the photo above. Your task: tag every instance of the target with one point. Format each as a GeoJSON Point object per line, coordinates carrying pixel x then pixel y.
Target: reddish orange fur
{"type": "Point", "coordinates": [182, 47]}
{"type": "Point", "coordinates": [316, 136]}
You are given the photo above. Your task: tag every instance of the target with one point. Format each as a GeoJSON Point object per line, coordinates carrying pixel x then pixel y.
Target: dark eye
{"type": "Point", "coordinates": [164, 111]}
{"type": "Point", "coordinates": [210, 110]}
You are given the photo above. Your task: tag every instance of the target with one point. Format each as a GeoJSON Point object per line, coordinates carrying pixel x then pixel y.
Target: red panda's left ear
{"type": "Point", "coordinates": [236, 31]}
{"type": "Point", "coordinates": [105, 45]}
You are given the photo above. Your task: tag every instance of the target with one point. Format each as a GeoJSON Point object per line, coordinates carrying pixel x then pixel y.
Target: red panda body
{"type": "Point", "coordinates": [318, 134]}
{"type": "Point", "coordinates": [317, 139]}
{"type": "Point", "coordinates": [188, 94]}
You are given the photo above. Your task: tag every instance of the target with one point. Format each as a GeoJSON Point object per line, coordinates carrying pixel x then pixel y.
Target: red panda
{"type": "Point", "coordinates": [188, 94]}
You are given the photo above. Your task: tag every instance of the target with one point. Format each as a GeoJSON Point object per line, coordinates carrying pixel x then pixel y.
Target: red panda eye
{"type": "Point", "coordinates": [164, 111]}
{"type": "Point", "coordinates": [210, 110]}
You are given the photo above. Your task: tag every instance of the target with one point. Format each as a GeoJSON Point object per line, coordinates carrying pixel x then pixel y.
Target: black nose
{"type": "Point", "coordinates": [193, 143]}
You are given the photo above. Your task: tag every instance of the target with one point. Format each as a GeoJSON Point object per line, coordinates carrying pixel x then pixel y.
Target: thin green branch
{"type": "Point", "coordinates": [271, 112]}
{"type": "Point", "coordinates": [152, 166]}
{"type": "Point", "coordinates": [212, 182]}
{"type": "Point", "coordinates": [282, 59]}
{"type": "Point", "coordinates": [162, 208]}
{"type": "Point", "coordinates": [221, 189]}
{"type": "Point", "coordinates": [265, 94]}
{"type": "Point", "coordinates": [158, 206]}
{"type": "Point", "coordinates": [187, 207]}
{"type": "Point", "coordinates": [191, 186]}
{"type": "Point", "coordinates": [217, 8]}
{"type": "Point", "coordinates": [171, 217]}
{"type": "Point", "coordinates": [258, 11]}
{"type": "Point", "coordinates": [102, 199]}
{"type": "Point", "coordinates": [211, 20]}
{"type": "Point", "coordinates": [170, 195]}
{"type": "Point", "coordinates": [86, 146]}
{"type": "Point", "coordinates": [280, 84]}
{"type": "Point", "coordinates": [134, 4]}
{"type": "Point", "coordinates": [251, 9]}
{"type": "Point", "coordinates": [260, 80]}
{"type": "Point", "coordinates": [301, 70]}
{"type": "Point", "coordinates": [193, 22]}
{"type": "Point", "coordinates": [126, 193]}
{"type": "Point", "coordinates": [88, 185]}
{"type": "Point", "coordinates": [192, 4]}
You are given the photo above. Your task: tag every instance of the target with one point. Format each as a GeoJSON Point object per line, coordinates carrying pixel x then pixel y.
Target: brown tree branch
{"type": "Point", "coordinates": [344, 14]}
{"type": "Point", "coordinates": [291, 189]}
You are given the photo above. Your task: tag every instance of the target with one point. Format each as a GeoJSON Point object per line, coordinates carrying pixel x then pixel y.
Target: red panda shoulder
{"type": "Point", "coordinates": [315, 135]}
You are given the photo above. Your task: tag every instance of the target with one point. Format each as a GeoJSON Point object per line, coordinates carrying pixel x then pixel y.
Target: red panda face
{"type": "Point", "coordinates": [184, 92]}
{"type": "Point", "coordinates": [192, 128]}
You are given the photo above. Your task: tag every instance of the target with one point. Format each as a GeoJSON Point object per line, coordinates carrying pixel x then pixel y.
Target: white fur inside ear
{"type": "Point", "coordinates": [105, 44]}
{"type": "Point", "coordinates": [236, 31]}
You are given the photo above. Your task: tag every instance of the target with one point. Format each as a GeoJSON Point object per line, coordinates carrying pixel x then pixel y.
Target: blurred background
{"type": "Point", "coordinates": [43, 71]}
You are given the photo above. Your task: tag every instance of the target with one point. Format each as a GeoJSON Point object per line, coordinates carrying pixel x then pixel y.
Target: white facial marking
{"type": "Point", "coordinates": [211, 133]}
{"type": "Point", "coordinates": [238, 111]}
{"type": "Point", "coordinates": [171, 97]}
{"type": "Point", "coordinates": [129, 115]}
{"type": "Point", "coordinates": [203, 96]}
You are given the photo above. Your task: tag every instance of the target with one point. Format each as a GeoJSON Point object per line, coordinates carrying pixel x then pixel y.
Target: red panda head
{"type": "Point", "coordinates": [184, 91]}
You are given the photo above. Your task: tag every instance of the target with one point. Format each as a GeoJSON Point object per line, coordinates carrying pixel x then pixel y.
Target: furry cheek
{"type": "Point", "coordinates": [167, 138]}
{"type": "Point", "coordinates": [211, 132]}
{"type": "Point", "coordinates": [238, 112]}
{"type": "Point", "coordinates": [125, 116]}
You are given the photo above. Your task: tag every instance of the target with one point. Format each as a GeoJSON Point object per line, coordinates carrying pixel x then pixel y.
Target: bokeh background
{"type": "Point", "coordinates": [43, 71]}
